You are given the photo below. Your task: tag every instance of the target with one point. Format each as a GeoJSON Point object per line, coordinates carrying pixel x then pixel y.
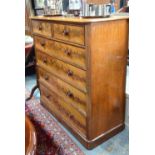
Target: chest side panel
{"type": "Point", "coordinates": [109, 45]}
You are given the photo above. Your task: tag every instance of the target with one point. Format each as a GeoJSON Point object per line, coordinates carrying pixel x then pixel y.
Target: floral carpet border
{"type": "Point", "coordinates": [52, 128]}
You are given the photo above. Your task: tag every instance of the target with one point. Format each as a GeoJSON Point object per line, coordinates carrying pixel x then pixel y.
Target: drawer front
{"type": "Point", "coordinates": [68, 53]}
{"type": "Point", "coordinates": [73, 96]}
{"type": "Point", "coordinates": [42, 44]}
{"type": "Point", "coordinates": [68, 73]}
{"type": "Point", "coordinates": [42, 28]}
{"type": "Point", "coordinates": [71, 33]}
{"type": "Point", "coordinates": [62, 109]}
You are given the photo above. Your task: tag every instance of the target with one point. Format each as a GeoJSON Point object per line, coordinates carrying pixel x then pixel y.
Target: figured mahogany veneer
{"type": "Point", "coordinates": [71, 74]}
{"type": "Point", "coordinates": [72, 54]}
{"type": "Point", "coordinates": [66, 110]}
{"type": "Point", "coordinates": [81, 70]}
{"type": "Point", "coordinates": [73, 96]}
{"type": "Point", "coordinates": [69, 33]}
{"type": "Point", "coordinates": [43, 28]}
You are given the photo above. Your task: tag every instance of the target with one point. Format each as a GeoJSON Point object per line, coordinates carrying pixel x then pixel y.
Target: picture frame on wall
{"type": "Point", "coordinates": [65, 5]}
{"type": "Point", "coordinates": [38, 6]}
{"type": "Point", "coordinates": [75, 4]}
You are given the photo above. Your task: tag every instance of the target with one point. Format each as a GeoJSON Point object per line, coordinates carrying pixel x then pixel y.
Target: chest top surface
{"type": "Point", "coordinates": [80, 19]}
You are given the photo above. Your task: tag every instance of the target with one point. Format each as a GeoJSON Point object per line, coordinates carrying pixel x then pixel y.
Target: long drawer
{"type": "Point", "coordinates": [70, 33]}
{"type": "Point", "coordinates": [68, 53]}
{"type": "Point", "coordinates": [69, 73]}
{"type": "Point", "coordinates": [42, 28]}
{"type": "Point", "coordinates": [62, 109]}
{"type": "Point", "coordinates": [73, 96]}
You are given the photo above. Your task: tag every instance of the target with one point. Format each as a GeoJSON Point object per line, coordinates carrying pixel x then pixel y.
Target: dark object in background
{"type": "Point", "coordinates": [124, 9]}
{"type": "Point", "coordinates": [127, 9]}
{"type": "Point", "coordinates": [30, 62]}
{"type": "Point", "coordinates": [124, 6]}
{"type": "Point", "coordinates": [65, 5]}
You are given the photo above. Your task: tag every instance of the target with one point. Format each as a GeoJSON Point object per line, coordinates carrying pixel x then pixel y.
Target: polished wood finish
{"type": "Point", "coordinates": [79, 20]}
{"type": "Point", "coordinates": [108, 70]}
{"type": "Point", "coordinates": [85, 92]}
{"type": "Point", "coordinates": [30, 137]}
{"type": "Point", "coordinates": [73, 96]}
{"type": "Point", "coordinates": [70, 54]}
{"type": "Point", "coordinates": [69, 33]}
{"type": "Point", "coordinates": [68, 112]}
{"type": "Point", "coordinates": [43, 28]}
{"type": "Point", "coordinates": [69, 73]}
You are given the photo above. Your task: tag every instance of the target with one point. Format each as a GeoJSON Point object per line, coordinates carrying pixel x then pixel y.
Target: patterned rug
{"type": "Point", "coordinates": [51, 138]}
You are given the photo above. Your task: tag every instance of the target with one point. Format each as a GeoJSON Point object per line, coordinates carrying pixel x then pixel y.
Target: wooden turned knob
{"type": "Point", "coordinates": [45, 60]}
{"type": "Point", "coordinates": [42, 43]}
{"type": "Point", "coordinates": [68, 52]}
{"type": "Point", "coordinates": [40, 27]}
{"type": "Point", "coordinates": [71, 116]}
{"type": "Point", "coordinates": [48, 96]}
{"type": "Point", "coordinates": [66, 32]}
{"type": "Point", "coordinates": [46, 77]}
{"type": "Point", "coordinates": [69, 73]}
{"type": "Point", "coordinates": [69, 94]}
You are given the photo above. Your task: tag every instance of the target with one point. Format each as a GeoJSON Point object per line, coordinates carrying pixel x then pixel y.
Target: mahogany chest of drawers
{"type": "Point", "coordinates": [81, 69]}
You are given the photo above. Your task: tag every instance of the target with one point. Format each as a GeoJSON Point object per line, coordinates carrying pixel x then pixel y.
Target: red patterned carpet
{"type": "Point", "coordinates": [51, 138]}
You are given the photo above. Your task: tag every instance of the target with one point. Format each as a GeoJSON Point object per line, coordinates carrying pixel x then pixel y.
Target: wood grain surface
{"type": "Point", "coordinates": [70, 33]}
{"type": "Point", "coordinates": [69, 73]}
{"type": "Point", "coordinates": [108, 72]}
{"type": "Point", "coordinates": [70, 54]}
{"type": "Point", "coordinates": [81, 70]}
{"type": "Point", "coordinates": [79, 20]}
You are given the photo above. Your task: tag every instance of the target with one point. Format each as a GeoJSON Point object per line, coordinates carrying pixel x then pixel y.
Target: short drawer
{"type": "Point", "coordinates": [69, 73]}
{"type": "Point", "coordinates": [42, 28]}
{"type": "Point", "coordinates": [71, 33]}
{"type": "Point", "coordinates": [73, 96]}
{"type": "Point", "coordinates": [42, 44]}
{"type": "Point", "coordinates": [62, 109]}
{"type": "Point", "coordinates": [68, 53]}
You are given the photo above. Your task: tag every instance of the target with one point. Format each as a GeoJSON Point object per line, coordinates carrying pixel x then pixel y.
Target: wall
{"type": "Point", "coordinates": [127, 112]}
{"type": "Point", "coordinates": [127, 98]}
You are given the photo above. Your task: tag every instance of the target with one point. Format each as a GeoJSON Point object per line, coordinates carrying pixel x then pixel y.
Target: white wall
{"type": "Point", "coordinates": [127, 112]}
{"type": "Point", "coordinates": [127, 99]}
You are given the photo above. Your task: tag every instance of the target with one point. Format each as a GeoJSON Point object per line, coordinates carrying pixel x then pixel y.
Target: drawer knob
{"type": "Point", "coordinates": [71, 117]}
{"type": "Point", "coordinates": [48, 96]}
{"type": "Point", "coordinates": [40, 27]}
{"type": "Point", "coordinates": [69, 94]}
{"type": "Point", "coordinates": [68, 52]}
{"type": "Point", "coordinates": [45, 60]}
{"type": "Point", "coordinates": [42, 43]}
{"type": "Point", "coordinates": [69, 73]}
{"type": "Point", "coordinates": [65, 32]}
{"type": "Point", "coordinates": [46, 77]}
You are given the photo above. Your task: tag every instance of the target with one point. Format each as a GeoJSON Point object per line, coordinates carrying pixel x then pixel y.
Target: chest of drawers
{"type": "Point", "coordinates": [81, 68]}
